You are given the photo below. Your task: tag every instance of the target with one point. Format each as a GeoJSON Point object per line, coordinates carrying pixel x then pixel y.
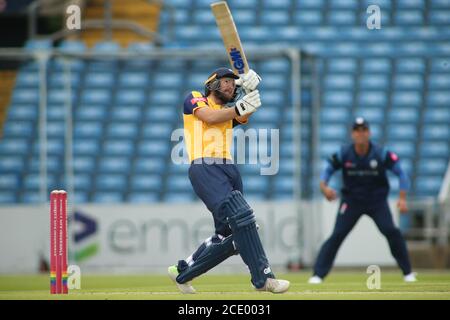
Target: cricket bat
{"type": "Point", "coordinates": [230, 37]}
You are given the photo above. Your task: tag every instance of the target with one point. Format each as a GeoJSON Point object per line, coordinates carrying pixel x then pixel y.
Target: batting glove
{"type": "Point", "coordinates": [248, 104]}
{"type": "Point", "coordinates": [249, 81]}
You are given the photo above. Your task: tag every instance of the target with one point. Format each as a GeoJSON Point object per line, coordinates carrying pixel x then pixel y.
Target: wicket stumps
{"type": "Point", "coordinates": [58, 242]}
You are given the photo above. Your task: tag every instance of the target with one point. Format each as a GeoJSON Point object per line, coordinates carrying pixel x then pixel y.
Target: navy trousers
{"type": "Point", "coordinates": [213, 183]}
{"type": "Point", "coordinates": [348, 214]}
{"type": "Point", "coordinates": [219, 186]}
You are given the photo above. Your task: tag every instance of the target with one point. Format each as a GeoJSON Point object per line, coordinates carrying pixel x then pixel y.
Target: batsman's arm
{"type": "Point", "coordinates": [244, 106]}
{"type": "Point", "coordinates": [243, 119]}
{"type": "Point", "coordinates": [211, 116]}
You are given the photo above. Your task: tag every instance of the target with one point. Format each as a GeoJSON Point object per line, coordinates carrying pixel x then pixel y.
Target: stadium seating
{"type": "Point", "coordinates": [124, 112]}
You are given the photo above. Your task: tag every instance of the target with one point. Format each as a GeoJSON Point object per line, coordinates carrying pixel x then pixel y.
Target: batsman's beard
{"type": "Point", "coordinates": [222, 96]}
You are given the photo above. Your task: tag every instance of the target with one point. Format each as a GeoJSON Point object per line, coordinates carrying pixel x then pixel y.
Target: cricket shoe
{"type": "Point", "coordinates": [411, 277]}
{"type": "Point", "coordinates": [275, 285]}
{"type": "Point", "coordinates": [315, 280]}
{"type": "Point", "coordinates": [185, 288]}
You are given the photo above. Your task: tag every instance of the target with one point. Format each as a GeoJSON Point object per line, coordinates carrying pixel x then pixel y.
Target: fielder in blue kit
{"type": "Point", "coordinates": [365, 191]}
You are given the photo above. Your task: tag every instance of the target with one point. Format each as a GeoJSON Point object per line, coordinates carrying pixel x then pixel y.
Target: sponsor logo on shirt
{"type": "Point", "coordinates": [195, 100]}
{"type": "Point", "coordinates": [362, 173]}
{"type": "Point", "coordinates": [394, 157]}
{"type": "Point", "coordinates": [349, 164]}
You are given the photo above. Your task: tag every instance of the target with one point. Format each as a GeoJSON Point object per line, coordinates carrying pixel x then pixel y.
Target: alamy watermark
{"type": "Point", "coordinates": [262, 144]}
{"type": "Point", "coordinates": [374, 280]}
{"type": "Point", "coordinates": [73, 20]}
{"type": "Point", "coordinates": [73, 277]}
{"type": "Point", "coordinates": [374, 20]}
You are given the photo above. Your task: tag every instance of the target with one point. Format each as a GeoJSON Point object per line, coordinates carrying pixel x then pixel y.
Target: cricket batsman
{"type": "Point", "coordinates": [208, 123]}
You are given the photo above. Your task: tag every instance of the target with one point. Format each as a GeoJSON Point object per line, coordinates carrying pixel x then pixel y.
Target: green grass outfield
{"type": "Point", "coordinates": [339, 285]}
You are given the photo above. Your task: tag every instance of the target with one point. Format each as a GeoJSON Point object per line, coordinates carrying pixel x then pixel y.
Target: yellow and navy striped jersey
{"type": "Point", "coordinates": [203, 140]}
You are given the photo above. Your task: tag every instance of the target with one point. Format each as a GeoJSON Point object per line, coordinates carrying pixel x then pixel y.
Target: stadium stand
{"type": "Point", "coordinates": [397, 77]}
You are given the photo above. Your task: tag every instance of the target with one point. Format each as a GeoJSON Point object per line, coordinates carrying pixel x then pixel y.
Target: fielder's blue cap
{"type": "Point", "coordinates": [360, 122]}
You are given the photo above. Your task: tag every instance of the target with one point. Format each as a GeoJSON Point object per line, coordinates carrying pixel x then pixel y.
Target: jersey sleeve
{"type": "Point", "coordinates": [335, 161]}
{"type": "Point", "coordinates": [333, 164]}
{"type": "Point", "coordinates": [327, 172]}
{"type": "Point", "coordinates": [392, 162]}
{"type": "Point", "coordinates": [390, 159]}
{"type": "Point", "coordinates": [194, 101]}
